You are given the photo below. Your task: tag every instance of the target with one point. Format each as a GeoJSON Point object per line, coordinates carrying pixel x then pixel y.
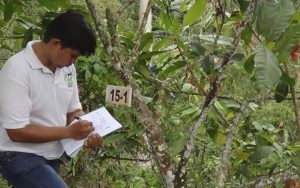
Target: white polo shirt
{"type": "Point", "coordinates": [31, 94]}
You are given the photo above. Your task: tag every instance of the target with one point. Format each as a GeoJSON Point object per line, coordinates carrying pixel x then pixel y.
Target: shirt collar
{"type": "Point", "coordinates": [32, 58]}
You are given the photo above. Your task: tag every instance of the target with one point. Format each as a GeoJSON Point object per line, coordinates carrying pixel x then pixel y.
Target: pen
{"type": "Point", "coordinates": [78, 118]}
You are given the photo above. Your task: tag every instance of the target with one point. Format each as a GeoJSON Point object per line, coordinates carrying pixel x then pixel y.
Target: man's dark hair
{"type": "Point", "coordinates": [72, 29]}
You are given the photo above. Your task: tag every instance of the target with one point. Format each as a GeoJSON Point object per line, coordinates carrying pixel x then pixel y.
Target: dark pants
{"type": "Point", "coordinates": [26, 170]}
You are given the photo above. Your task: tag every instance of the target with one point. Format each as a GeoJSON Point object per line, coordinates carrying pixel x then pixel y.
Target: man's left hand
{"type": "Point", "coordinates": [93, 141]}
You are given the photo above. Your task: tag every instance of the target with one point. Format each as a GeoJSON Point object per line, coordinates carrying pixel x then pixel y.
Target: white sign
{"type": "Point", "coordinates": [119, 95]}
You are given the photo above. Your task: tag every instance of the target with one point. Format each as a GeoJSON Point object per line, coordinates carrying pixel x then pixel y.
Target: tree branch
{"type": "Point", "coordinates": [143, 23]}
{"type": "Point", "coordinates": [122, 9]}
{"type": "Point", "coordinates": [180, 175]}
{"type": "Point", "coordinates": [265, 181]}
{"type": "Point", "coordinates": [124, 158]}
{"type": "Point", "coordinates": [227, 149]}
{"type": "Point", "coordinates": [220, 8]}
{"type": "Point", "coordinates": [145, 116]}
{"type": "Point", "coordinates": [295, 103]}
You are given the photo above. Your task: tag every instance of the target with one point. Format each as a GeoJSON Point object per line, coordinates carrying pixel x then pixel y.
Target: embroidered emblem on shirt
{"type": "Point", "coordinates": [69, 80]}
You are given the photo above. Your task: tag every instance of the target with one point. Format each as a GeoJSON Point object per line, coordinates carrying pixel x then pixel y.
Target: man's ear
{"type": "Point", "coordinates": [55, 43]}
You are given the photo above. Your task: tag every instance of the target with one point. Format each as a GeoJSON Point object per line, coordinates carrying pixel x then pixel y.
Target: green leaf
{"type": "Point", "coordinates": [198, 50]}
{"type": "Point", "coordinates": [179, 109]}
{"type": "Point", "coordinates": [278, 148]}
{"type": "Point", "coordinates": [174, 120]}
{"type": "Point", "coordinates": [87, 75]}
{"type": "Point", "coordinates": [126, 41]}
{"type": "Point", "coordinates": [270, 173]}
{"type": "Point", "coordinates": [194, 116]}
{"type": "Point", "coordinates": [146, 39]}
{"type": "Point", "coordinates": [220, 106]}
{"type": "Point", "coordinates": [269, 128]}
{"type": "Point", "coordinates": [266, 138]}
{"type": "Point", "coordinates": [287, 79]}
{"type": "Point", "coordinates": [2, 7]}
{"type": "Point", "coordinates": [189, 111]}
{"type": "Point", "coordinates": [96, 78]}
{"type": "Point", "coordinates": [243, 4]}
{"type": "Point", "coordinates": [220, 138]}
{"type": "Point", "coordinates": [146, 99]}
{"type": "Point", "coordinates": [257, 126]}
{"type": "Point", "coordinates": [267, 71]}
{"type": "Point", "coordinates": [241, 155]}
{"type": "Point", "coordinates": [28, 36]}
{"type": "Point", "coordinates": [26, 24]}
{"type": "Point", "coordinates": [149, 55]}
{"type": "Point", "coordinates": [166, 20]}
{"type": "Point", "coordinates": [281, 91]}
{"type": "Point", "coordinates": [195, 12]}
{"type": "Point", "coordinates": [8, 11]}
{"type": "Point", "coordinates": [141, 68]}
{"type": "Point", "coordinates": [294, 146]}
{"type": "Point", "coordinates": [187, 87]}
{"type": "Point", "coordinates": [19, 30]}
{"type": "Point", "coordinates": [163, 43]}
{"type": "Point", "coordinates": [178, 145]}
{"type": "Point", "coordinates": [97, 68]}
{"type": "Point", "coordinates": [296, 159]}
{"type": "Point", "coordinates": [113, 138]}
{"type": "Point", "coordinates": [244, 169]}
{"type": "Point", "coordinates": [176, 26]}
{"type": "Point", "coordinates": [223, 40]}
{"type": "Point", "coordinates": [183, 7]}
{"type": "Point", "coordinates": [288, 41]}
{"type": "Point", "coordinates": [120, 148]}
{"type": "Point", "coordinates": [253, 106]}
{"type": "Point", "coordinates": [54, 4]}
{"type": "Point", "coordinates": [273, 17]}
{"type": "Point", "coordinates": [281, 22]}
{"type": "Point", "coordinates": [207, 65]}
{"type": "Point", "coordinates": [262, 152]}
{"type": "Point", "coordinates": [237, 57]}
{"type": "Point", "coordinates": [249, 64]}
{"type": "Point", "coordinates": [247, 35]}
{"type": "Point", "coordinates": [173, 68]}
{"type": "Point", "coordinates": [231, 104]}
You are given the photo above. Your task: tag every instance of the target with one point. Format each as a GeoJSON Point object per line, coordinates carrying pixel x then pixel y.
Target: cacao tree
{"type": "Point", "coordinates": [214, 90]}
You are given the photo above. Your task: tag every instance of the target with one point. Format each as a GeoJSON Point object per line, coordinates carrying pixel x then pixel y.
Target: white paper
{"type": "Point", "coordinates": [103, 123]}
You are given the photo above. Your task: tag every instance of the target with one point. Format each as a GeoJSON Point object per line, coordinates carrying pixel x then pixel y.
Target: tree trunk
{"type": "Point", "coordinates": [180, 175]}
{"type": "Point", "coordinates": [148, 16]}
{"type": "Point", "coordinates": [151, 123]}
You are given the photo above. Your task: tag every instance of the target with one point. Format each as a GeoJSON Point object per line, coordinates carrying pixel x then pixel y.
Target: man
{"type": "Point", "coordinates": [38, 98]}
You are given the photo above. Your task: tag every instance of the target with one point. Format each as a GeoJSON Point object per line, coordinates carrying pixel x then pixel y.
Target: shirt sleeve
{"type": "Point", "coordinates": [75, 102]}
{"type": "Point", "coordinates": [15, 102]}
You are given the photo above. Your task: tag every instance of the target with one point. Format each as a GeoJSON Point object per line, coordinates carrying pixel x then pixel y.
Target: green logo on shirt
{"type": "Point", "coordinates": [69, 80]}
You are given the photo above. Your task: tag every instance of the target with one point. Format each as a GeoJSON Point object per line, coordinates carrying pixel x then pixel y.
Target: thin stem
{"type": "Point", "coordinates": [295, 103]}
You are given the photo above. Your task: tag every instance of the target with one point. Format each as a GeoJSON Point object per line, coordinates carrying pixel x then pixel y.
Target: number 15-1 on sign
{"type": "Point", "coordinates": [119, 95]}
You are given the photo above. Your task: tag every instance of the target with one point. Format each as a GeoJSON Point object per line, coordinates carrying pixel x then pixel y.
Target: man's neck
{"type": "Point", "coordinates": [41, 50]}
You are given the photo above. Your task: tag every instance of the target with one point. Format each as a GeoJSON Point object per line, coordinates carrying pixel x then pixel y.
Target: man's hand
{"type": "Point", "coordinates": [80, 129]}
{"type": "Point", "coordinates": [93, 142]}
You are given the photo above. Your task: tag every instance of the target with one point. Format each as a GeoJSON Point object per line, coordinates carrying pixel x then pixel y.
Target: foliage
{"type": "Point", "coordinates": [185, 50]}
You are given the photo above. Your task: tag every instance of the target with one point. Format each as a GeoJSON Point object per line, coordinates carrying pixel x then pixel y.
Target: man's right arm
{"type": "Point", "coordinates": [39, 134]}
